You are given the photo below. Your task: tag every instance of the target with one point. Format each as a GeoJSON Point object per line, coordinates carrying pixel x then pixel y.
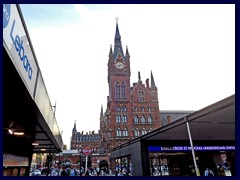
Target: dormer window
{"type": "Point", "coordinates": [141, 95]}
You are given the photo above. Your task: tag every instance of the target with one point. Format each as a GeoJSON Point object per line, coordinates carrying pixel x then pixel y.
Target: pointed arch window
{"type": "Point", "coordinates": [150, 129]}
{"type": "Point", "coordinates": [124, 108]}
{"type": "Point", "coordinates": [136, 132]}
{"type": "Point", "coordinates": [144, 131]}
{"type": "Point", "coordinates": [118, 108]}
{"type": "Point", "coordinates": [149, 109]}
{"type": "Point", "coordinates": [140, 95]}
{"type": "Point", "coordinates": [124, 118]}
{"type": "Point", "coordinates": [119, 134]}
{"type": "Point", "coordinates": [143, 121]}
{"type": "Point", "coordinates": [123, 91]}
{"type": "Point", "coordinates": [135, 108]}
{"type": "Point", "coordinates": [117, 91]}
{"type": "Point", "coordinates": [142, 108]}
{"type": "Point", "coordinates": [125, 132]}
{"type": "Point", "coordinates": [118, 118]}
{"type": "Point", "coordinates": [149, 119]}
{"type": "Point", "coordinates": [135, 119]}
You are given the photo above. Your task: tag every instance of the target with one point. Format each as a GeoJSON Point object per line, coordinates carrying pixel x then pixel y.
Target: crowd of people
{"type": "Point", "coordinates": [67, 171]}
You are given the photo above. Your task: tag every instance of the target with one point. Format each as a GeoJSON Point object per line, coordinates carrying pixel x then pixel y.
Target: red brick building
{"type": "Point", "coordinates": [131, 111]}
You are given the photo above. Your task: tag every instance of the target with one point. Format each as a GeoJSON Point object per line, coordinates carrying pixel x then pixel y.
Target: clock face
{"type": "Point", "coordinates": [119, 65]}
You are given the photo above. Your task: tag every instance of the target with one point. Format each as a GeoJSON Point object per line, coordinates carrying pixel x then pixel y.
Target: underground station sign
{"type": "Point", "coordinates": [87, 151]}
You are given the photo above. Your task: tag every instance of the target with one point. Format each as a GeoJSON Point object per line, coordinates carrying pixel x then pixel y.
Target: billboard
{"type": "Point", "coordinates": [16, 43]}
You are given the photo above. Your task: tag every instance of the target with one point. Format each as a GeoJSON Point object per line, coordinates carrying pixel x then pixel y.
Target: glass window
{"type": "Point", "coordinates": [140, 95]}
{"type": "Point", "coordinates": [135, 119]}
{"type": "Point", "coordinates": [144, 131]}
{"type": "Point", "coordinates": [143, 120]}
{"type": "Point", "coordinates": [119, 132]}
{"type": "Point", "coordinates": [149, 119]}
{"type": "Point", "coordinates": [117, 91]}
{"type": "Point", "coordinates": [118, 118]}
{"type": "Point", "coordinates": [118, 108]}
{"type": "Point", "coordinates": [124, 108]}
{"type": "Point", "coordinates": [136, 132]}
{"type": "Point", "coordinates": [125, 132]}
{"type": "Point", "coordinates": [124, 118]}
{"type": "Point", "coordinates": [123, 91]}
{"type": "Point", "coordinates": [135, 108]}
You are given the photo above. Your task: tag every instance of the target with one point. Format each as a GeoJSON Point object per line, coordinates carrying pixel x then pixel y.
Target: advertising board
{"type": "Point", "coordinates": [16, 43]}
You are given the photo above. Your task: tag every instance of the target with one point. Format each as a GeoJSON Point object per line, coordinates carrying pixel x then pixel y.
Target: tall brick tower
{"type": "Point", "coordinates": [131, 111]}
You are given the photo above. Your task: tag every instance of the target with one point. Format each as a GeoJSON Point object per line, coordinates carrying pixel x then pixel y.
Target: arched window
{"type": "Point", "coordinates": [118, 118]}
{"type": "Point", "coordinates": [142, 108]}
{"type": "Point", "coordinates": [119, 132]}
{"type": "Point", "coordinates": [144, 131]}
{"type": "Point", "coordinates": [124, 108]}
{"type": "Point", "coordinates": [150, 129]}
{"type": "Point", "coordinates": [143, 121]}
{"type": "Point", "coordinates": [149, 109]}
{"type": "Point", "coordinates": [125, 132]}
{"type": "Point", "coordinates": [117, 91]}
{"type": "Point", "coordinates": [123, 91]}
{"type": "Point", "coordinates": [136, 132]}
{"type": "Point", "coordinates": [135, 119]}
{"type": "Point", "coordinates": [135, 109]}
{"type": "Point", "coordinates": [140, 95]}
{"type": "Point", "coordinates": [149, 120]}
{"type": "Point", "coordinates": [118, 108]}
{"type": "Point", "coordinates": [124, 118]}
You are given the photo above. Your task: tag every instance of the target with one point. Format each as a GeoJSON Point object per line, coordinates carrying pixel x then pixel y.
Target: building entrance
{"type": "Point", "coordinates": [168, 164]}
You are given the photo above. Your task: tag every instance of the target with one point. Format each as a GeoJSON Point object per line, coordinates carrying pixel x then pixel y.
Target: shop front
{"type": "Point", "coordinates": [178, 161]}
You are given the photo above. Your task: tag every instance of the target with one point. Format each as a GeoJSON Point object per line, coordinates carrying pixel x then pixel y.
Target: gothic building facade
{"type": "Point", "coordinates": [131, 111]}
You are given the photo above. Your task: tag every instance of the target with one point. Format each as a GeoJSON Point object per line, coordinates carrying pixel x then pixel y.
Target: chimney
{"type": "Point", "coordinates": [147, 83]}
{"type": "Point", "coordinates": [169, 119]}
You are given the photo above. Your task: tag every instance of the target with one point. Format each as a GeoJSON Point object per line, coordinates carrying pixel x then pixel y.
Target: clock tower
{"type": "Point", "coordinates": [131, 111]}
{"type": "Point", "coordinates": [119, 71]}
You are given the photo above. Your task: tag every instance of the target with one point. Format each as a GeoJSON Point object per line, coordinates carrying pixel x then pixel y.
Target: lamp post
{"type": "Point", "coordinates": [80, 158]}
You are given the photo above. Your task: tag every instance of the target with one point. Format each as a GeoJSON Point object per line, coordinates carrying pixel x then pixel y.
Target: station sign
{"type": "Point", "coordinates": [87, 151]}
{"type": "Point", "coordinates": [188, 148]}
{"type": "Point", "coordinates": [17, 44]}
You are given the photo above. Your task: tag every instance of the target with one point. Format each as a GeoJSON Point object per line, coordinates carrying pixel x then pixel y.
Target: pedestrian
{"type": "Point", "coordinates": [208, 172]}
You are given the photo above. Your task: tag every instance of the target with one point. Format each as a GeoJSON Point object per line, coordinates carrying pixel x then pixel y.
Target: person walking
{"type": "Point", "coordinates": [208, 172]}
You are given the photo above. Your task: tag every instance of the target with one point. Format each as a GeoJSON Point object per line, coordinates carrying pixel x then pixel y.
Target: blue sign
{"type": "Point", "coordinates": [188, 148]}
{"type": "Point", "coordinates": [18, 43]}
{"type": "Point", "coordinates": [6, 14]}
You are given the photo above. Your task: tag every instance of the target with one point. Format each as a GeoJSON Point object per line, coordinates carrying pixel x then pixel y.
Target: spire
{"type": "Point", "coordinates": [127, 53]}
{"type": "Point", "coordinates": [139, 76]}
{"type": "Point", "coordinates": [74, 128]}
{"type": "Point", "coordinates": [152, 82]}
{"type": "Point", "coordinates": [111, 50]}
{"type": "Point", "coordinates": [117, 41]}
{"type": "Point", "coordinates": [101, 110]}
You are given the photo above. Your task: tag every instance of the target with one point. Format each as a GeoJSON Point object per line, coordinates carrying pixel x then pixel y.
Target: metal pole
{"type": "Point", "coordinates": [86, 163]}
{"type": "Point", "coordinates": [193, 153]}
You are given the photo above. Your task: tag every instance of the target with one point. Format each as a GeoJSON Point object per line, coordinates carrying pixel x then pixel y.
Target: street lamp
{"type": "Point", "coordinates": [80, 157]}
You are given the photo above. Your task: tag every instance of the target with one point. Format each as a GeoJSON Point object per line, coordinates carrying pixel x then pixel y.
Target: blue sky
{"type": "Point", "coordinates": [189, 48]}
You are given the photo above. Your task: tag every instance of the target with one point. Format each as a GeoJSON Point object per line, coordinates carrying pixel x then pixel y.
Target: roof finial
{"type": "Point", "coordinates": [139, 76]}
{"type": "Point", "coordinates": [117, 19]}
